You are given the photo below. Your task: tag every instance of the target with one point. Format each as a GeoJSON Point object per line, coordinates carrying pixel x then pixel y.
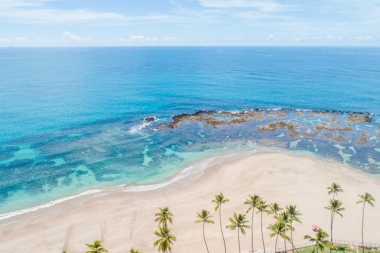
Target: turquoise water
{"type": "Point", "coordinates": [73, 120]}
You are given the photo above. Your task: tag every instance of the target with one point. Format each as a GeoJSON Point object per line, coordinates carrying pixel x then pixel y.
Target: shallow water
{"type": "Point", "coordinates": [72, 120]}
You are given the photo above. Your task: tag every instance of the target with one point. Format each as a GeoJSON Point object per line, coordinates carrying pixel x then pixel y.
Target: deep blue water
{"type": "Point", "coordinates": [45, 90]}
{"type": "Point", "coordinates": [70, 117]}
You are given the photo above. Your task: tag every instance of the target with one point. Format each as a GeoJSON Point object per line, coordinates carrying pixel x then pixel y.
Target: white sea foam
{"type": "Point", "coordinates": [192, 170]}
{"type": "Point", "coordinates": [51, 203]}
{"type": "Point", "coordinates": [138, 128]}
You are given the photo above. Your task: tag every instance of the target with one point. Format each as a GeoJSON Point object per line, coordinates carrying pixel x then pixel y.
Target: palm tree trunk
{"type": "Point", "coordinates": [293, 246]}
{"type": "Point", "coordinates": [291, 235]}
{"type": "Point", "coordinates": [331, 229]}
{"type": "Point", "coordinates": [221, 229]}
{"type": "Point", "coordinates": [275, 246]}
{"type": "Point", "coordinates": [362, 229]}
{"type": "Point", "coordinates": [285, 244]}
{"type": "Point", "coordinates": [239, 240]}
{"type": "Point", "coordinates": [262, 234]}
{"type": "Point", "coordinates": [253, 210]}
{"type": "Point", "coordinates": [204, 237]}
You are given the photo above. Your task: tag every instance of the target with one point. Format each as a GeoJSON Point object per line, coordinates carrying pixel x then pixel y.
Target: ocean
{"type": "Point", "coordinates": [81, 120]}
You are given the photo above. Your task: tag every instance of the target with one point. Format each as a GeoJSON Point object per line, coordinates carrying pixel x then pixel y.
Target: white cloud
{"type": "Point", "coordinates": [367, 38]}
{"type": "Point", "coordinates": [332, 39]}
{"type": "Point", "coordinates": [265, 5]}
{"type": "Point", "coordinates": [170, 39]}
{"type": "Point", "coordinates": [232, 39]}
{"type": "Point", "coordinates": [2, 40]}
{"type": "Point", "coordinates": [19, 3]}
{"type": "Point", "coordinates": [22, 39]}
{"type": "Point", "coordinates": [33, 11]}
{"type": "Point", "coordinates": [59, 16]}
{"type": "Point", "coordinates": [307, 39]}
{"type": "Point", "coordinates": [74, 38]}
{"type": "Point", "coordinates": [136, 39]}
{"type": "Point", "coordinates": [271, 37]}
{"type": "Point", "coordinates": [257, 15]}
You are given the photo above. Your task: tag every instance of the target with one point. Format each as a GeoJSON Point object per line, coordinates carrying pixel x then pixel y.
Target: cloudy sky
{"type": "Point", "coordinates": [189, 22]}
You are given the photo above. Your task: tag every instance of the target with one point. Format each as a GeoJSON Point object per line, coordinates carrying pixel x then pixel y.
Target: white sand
{"type": "Point", "coordinates": [127, 219]}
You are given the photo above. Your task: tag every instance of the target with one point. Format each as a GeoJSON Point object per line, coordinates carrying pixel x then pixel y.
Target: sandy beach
{"type": "Point", "coordinates": [126, 219]}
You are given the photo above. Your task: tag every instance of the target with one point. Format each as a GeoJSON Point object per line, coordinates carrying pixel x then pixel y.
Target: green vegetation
{"type": "Point", "coordinates": [365, 198]}
{"type": "Point", "coordinates": [96, 247]}
{"type": "Point", "coordinates": [219, 200]}
{"type": "Point", "coordinates": [284, 220]}
{"type": "Point", "coordinates": [134, 251]}
{"type": "Point", "coordinates": [339, 247]}
{"type": "Point", "coordinates": [238, 222]}
{"type": "Point", "coordinates": [262, 208]}
{"type": "Point", "coordinates": [294, 217]}
{"type": "Point", "coordinates": [166, 239]}
{"type": "Point", "coordinates": [164, 216]}
{"type": "Point", "coordinates": [253, 202]}
{"type": "Point", "coordinates": [320, 240]}
{"type": "Point", "coordinates": [334, 189]}
{"type": "Point", "coordinates": [204, 217]}
{"type": "Point", "coordinates": [336, 208]}
{"type": "Point", "coordinates": [278, 229]}
{"type": "Point", "coordinates": [274, 208]}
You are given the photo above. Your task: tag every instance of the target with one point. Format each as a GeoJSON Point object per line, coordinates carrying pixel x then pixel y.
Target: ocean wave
{"type": "Point", "coordinates": [147, 122]}
{"type": "Point", "coordinates": [51, 203]}
{"type": "Point", "coordinates": [138, 128]}
{"type": "Point", "coordinates": [192, 170]}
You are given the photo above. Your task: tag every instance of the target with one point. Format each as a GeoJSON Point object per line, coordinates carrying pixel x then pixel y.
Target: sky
{"type": "Point", "coordinates": [39, 23]}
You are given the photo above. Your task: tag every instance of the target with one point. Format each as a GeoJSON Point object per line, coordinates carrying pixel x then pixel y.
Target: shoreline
{"type": "Point", "coordinates": [202, 182]}
{"type": "Point", "coordinates": [167, 182]}
{"type": "Point", "coordinates": [134, 188]}
{"type": "Point", "coordinates": [170, 181]}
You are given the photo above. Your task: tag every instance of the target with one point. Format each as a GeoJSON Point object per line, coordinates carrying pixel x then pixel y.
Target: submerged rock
{"type": "Point", "coordinates": [356, 119]}
{"type": "Point", "coordinates": [150, 119]}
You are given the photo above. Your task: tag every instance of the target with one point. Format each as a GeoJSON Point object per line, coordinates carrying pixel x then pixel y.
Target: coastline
{"type": "Point", "coordinates": [283, 176]}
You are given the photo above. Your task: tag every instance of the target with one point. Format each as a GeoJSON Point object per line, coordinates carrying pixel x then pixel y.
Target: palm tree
{"type": "Point", "coordinates": [365, 198]}
{"type": "Point", "coordinates": [335, 189]}
{"type": "Point", "coordinates": [342, 249]}
{"type": "Point", "coordinates": [238, 222]}
{"type": "Point", "coordinates": [285, 218]}
{"type": "Point", "coordinates": [320, 240]}
{"type": "Point", "coordinates": [262, 207]}
{"type": "Point", "coordinates": [204, 217]}
{"type": "Point", "coordinates": [164, 216]}
{"type": "Point", "coordinates": [96, 247]}
{"type": "Point", "coordinates": [336, 208]}
{"type": "Point", "coordinates": [253, 202]}
{"type": "Point", "coordinates": [294, 216]}
{"type": "Point", "coordinates": [219, 200]}
{"type": "Point", "coordinates": [134, 251]}
{"type": "Point", "coordinates": [278, 229]}
{"type": "Point", "coordinates": [166, 239]}
{"type": "Point", "coordinates": [274, 208]}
